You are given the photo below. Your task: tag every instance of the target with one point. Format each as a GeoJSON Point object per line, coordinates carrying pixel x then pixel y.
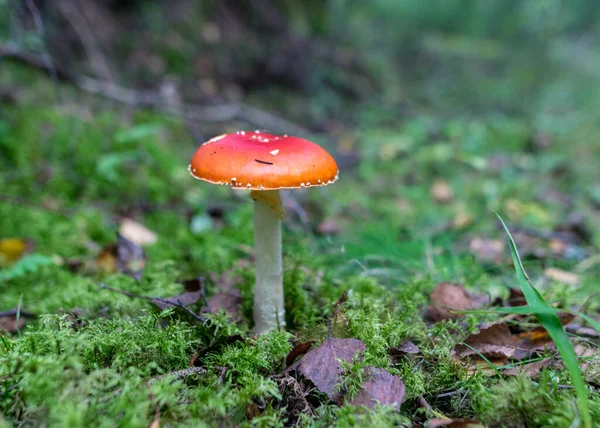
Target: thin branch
{"type": "Point", "coordinates": [154, 100]}
{"type": "Point", "coordinates": [179, 374]}
{"type": "Point", "coordinates": [168, 302]}
{"type": "Point", "coordinates": [16, 311]}
{"type": "Point", "coordinates": [39, 25]}
{"type": "Point", "coordinates": [86, 35]}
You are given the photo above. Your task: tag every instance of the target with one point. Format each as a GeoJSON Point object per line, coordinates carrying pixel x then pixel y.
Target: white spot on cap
{"type": "Point", "coordinates": [301, 184]}
{"type": "Point", "coordinates": [243, 132]}
{"type": "Point", "coordinates": [217, 138]}
{"type": "Point", "coordinates": [274, 152]}
{"type": "Point", "coordinates": [248, 185]}
{"type": "Point", "coordinates": [233, 179]}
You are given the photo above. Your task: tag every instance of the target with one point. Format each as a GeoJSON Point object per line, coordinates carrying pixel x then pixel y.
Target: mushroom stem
{"type": "Point", "coordinates": [269, 312]}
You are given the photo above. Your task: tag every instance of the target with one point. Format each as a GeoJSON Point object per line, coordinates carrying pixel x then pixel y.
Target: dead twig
{"type": "Point", "coordinates": [168, 302]}
{"type": "Point", "coordinates": [154, 99]}
{"type": "Point", "coordinates": [80, 24]}
{"type": "Point", "coordinates": [16, 311]}
{"type": "Point", "coordinates": [179, 374]}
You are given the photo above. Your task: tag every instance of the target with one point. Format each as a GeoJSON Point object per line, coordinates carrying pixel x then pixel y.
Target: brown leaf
{"type": "Point", "coordinates": [516, 297]}
{"type": "Point", "coordinates": [442, 192]}
{"type": "Point", "coordinates": [339, 320]}
{"type": "Point", "coordinates": [580, 331]}
{"type": "Point", "coordinates": [298, 350]}
{"type": "Point", "coordinates": [379, 387]}
{"type": "Point", "coordinates": [560, 275]}
{"type": "Point", "coordinates": [125, 257]}
{"type": "Point", "coordinates": [532, 370]}
{"type": "Point", "coordinates": [495, 342]}
{"type": "Point", "coordinates": [447, 297]}
{"type": "Point", "coordinates": [11, 249]}
{"type": "Point", "coordinates": [329, 226]}
{"type": "Point", "coordinates": [539, 337]}
{"type": "Point", "coordinates": [193, 284]}
{"type": "Point", "coordinates": [294, 400]}
{"type": "Point", "coordinates": [9, 324]}
{"type": "Point", "coordinates": [321, 365]}
{"type": "Point", "coordinates": [228, 280]}
{"type": "Point", "coordinates": [252, 411]}
{"type": "Point", "coordinates": [230, 302]}
{"type": "Point", "coordinates": [136, 232]}
{"type": "Point", "coordinates": [406, 348]}
{"type": "Point", "coordinates": [487, 250]}
{"type": "Point", "coordinates": [453, 423]}
{"type": "Point", "coordinates": [185, 299]}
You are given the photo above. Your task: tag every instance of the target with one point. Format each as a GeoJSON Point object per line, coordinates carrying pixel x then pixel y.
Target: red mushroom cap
{"type": "Point", "coordinates": [261, 161]}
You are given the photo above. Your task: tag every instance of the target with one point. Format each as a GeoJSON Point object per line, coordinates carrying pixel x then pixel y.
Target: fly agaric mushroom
{"type": "Point", "coordinates": [265, 163]}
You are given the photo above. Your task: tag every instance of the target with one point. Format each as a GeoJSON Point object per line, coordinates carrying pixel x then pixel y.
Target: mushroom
{"type": "Point", "coordinates": [265, 163]}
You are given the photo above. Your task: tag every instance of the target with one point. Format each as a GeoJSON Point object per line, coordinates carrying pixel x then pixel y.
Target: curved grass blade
{"type": "Point", "coordinates": [548, 319]}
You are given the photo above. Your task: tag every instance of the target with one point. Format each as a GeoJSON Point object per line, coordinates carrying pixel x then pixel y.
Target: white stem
{"type": "Point", "coordinates": [269, 311]}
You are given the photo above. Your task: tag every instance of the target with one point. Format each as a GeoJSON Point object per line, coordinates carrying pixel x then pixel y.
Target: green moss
{"type": "Point", "coordinates": [533, 403]}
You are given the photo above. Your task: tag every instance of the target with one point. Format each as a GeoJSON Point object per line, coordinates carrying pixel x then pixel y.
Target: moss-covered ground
{"type": "Point", "coordinates": [72, 166]}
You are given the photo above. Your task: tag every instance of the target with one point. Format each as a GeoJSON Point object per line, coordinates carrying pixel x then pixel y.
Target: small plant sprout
{"type": "Point", "coordinates": [265, 163]}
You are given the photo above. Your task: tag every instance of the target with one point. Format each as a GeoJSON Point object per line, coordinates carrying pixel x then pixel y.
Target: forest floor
{"type": "Point", "coordinates": [373, 263]}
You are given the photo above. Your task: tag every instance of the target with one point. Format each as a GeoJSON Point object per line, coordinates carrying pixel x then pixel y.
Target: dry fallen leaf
{"type": "Point", "coordinates": [10, 325]}
{"type": "Point", "coordinates": [322, 367]}
{"type": "Point", "coordinates": [462, 220]}
{"type": "Point", "coordinates": [560, 275]}
{"type": "Point", "coordinates": [136, 232]}
{"type": "Point", "coordinates": [442, 192]}
{"type": "Point", "coordinates": [531, 370]}
{"type": "Point", "coordinates": [125, 257]}
{"type": "Point", "coordinates": [539, 336]}
{"type": "Point", "coordinates": [229, 279]}
{"type": "Point", "coordinates": [516, 297]}
{"type": "Point", "coordinates": [231, 302]}
{"type": "Point", "coordinates": [447, 297]}
{"type": "Point", "coordinates": [406, 348]}
{"type": "Point", "coordinates": [380, 387]}
{"type": "Point", "coordinates": [495, 342]}
{"type": "Point", "coordinates": [329, 226]}
{"type": "Point", "coordinates": [537, 339]}
{"type": "Point", "coordinates": [339, 320]}
{"type": "Point", "coordinates": [293, 398]}
{"type": "Point", "coordinates": [578, 330]}
{"type": "Point", "coordinates": [11, 249]}
{"type": "Point", "coordinates": [487, 250]}
{"type": "Point", "coordinates": [299, 349]}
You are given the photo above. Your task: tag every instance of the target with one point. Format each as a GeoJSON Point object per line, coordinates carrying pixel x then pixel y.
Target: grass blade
{"type": "Point", "coordinates": [549, 320]}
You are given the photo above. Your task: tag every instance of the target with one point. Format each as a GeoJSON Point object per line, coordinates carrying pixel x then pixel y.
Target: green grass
{"type": "Point", "coordinates": [549, 320]}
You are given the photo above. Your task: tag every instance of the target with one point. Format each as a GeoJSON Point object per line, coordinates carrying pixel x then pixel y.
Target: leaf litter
{"type": "Point", "coordinates": [447, 298]}
{"type": "Point", "coordinates": [322, 366]}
